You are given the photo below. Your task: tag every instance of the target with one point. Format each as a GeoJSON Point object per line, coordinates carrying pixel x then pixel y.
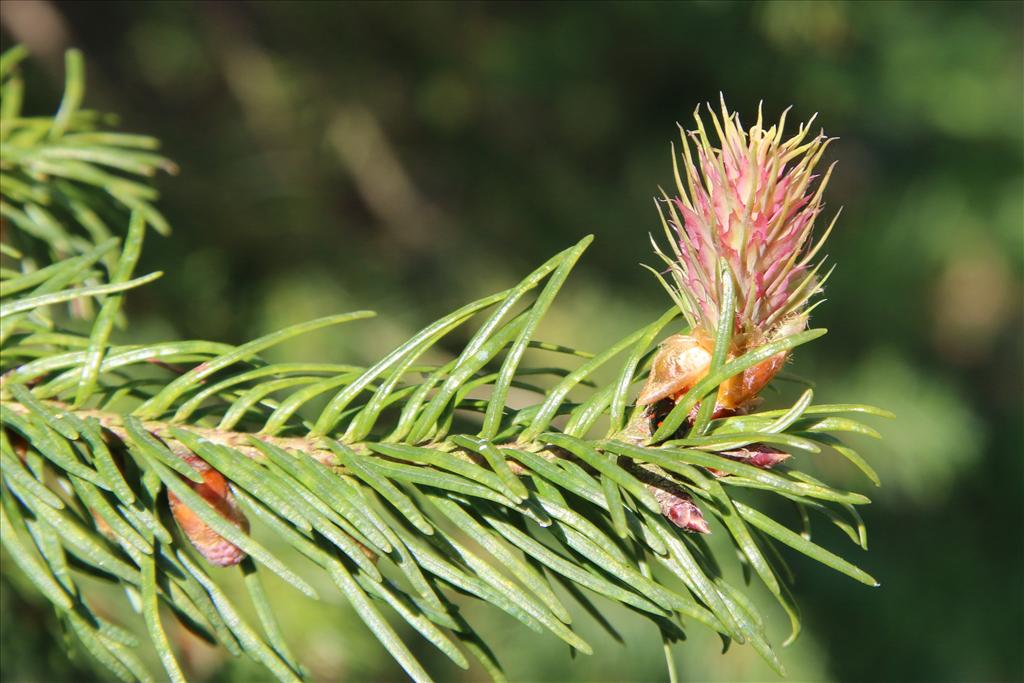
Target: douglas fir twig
{"type": "Point", "coordinates": [409, 486]}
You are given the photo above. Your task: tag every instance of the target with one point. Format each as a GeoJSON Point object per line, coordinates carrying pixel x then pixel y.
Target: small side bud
{"type": "Point", "coordinates": [680, 509]}
{"type": "Point", "coordinates": [215, 490]}
{"type": "Point", "coordinates": [756, 455]}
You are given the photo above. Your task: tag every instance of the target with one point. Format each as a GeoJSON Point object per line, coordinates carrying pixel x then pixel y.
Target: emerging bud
{"type": "Point", "coordinates": [680, 509]}
{"type": "Point", "coordinates": [215, 490]}
{"type": "Point", "coordinates": [757, 455]}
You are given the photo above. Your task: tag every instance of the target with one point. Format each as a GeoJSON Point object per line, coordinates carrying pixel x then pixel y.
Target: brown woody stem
{"type": "Point", "coordinates": [114, 423]}
{"type": "Point", "coordinates": [652, 476]}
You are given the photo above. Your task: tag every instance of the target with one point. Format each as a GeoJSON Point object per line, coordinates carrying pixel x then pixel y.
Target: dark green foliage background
{"type": "Point", "coordinates": [411, 157]}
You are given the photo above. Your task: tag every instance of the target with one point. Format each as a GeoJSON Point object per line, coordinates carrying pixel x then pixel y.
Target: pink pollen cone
{"type": "Point", "coordinates": [751, 199]}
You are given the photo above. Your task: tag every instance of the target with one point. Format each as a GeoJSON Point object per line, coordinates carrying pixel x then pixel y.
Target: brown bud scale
{"type": "Point", "coordinates": [684, 360]}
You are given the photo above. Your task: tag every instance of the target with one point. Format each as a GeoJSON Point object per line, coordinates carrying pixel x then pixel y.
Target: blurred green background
{"type": "Point", "coordinates": [411, 157]}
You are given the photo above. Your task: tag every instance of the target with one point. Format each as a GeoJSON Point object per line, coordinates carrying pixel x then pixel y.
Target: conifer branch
{"type": "Point", "coordinates": [413, 486]}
